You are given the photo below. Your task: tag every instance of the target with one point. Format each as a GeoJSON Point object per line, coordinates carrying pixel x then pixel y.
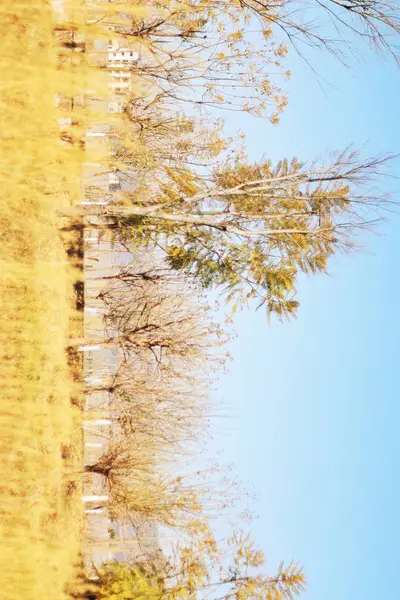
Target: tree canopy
{"type": "Point", "coordinates": [204, 569]}
{"type": "Point", "coordinates": [251, 228]}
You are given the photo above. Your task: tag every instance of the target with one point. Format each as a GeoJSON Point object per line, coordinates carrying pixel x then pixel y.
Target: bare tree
{"type": "Point", "coordinates": [373, 22]}
{"type": "Point", "coordinates": [139, 484]}
{"type": "Point", "coordinates": [164, 410]}
{"type": "Point", "coordinates": [159, 320]}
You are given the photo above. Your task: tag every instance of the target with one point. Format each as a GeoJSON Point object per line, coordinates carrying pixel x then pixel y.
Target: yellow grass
{"type": "Point", "coordinates": [40, 501]}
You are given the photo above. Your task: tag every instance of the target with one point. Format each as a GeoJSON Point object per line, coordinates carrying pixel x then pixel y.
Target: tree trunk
{"type": "Point", "coordinates": [108, 210]}
{"type": "Point", "coordinates": [105, 388]}
{"type": "Point", "coordinates": [76, 342]}
{"type": "Point", "coordinates": [94, 511]}
{"type": "Point", "coordinates": [95, 498]}
{"type": "Point", "coordinates": [87, 343]}
{"type": "Point", "coordinates": [105, 471]}
{"type": "Point", "coordinates": [80, 226]}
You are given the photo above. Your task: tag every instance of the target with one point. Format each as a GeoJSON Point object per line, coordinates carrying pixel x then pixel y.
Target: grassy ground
{"type": "Point", "coordinates": [41, 518]}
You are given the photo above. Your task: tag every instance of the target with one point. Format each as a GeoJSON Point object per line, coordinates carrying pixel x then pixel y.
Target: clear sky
{"type": "Point", "coordinates": [317, 401]}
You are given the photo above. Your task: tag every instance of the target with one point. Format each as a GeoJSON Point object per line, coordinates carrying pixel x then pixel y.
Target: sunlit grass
{"type": "Point", "coordinates": [40, 441]}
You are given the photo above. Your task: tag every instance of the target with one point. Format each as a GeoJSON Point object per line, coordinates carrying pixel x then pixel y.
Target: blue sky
{"type": "Point", "coordinates": [317, 401]}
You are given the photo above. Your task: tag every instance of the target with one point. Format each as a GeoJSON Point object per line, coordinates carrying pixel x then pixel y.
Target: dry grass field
{"type": "Point", "coordinates": [41, 520]}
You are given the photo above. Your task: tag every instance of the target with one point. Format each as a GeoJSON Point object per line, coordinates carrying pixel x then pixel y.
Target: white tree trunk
{"type": "Point", "coordinates": [91, 309]}
{"type": "Point", "coordinates": [95, 133]}
{"type": "Point", "coordinates": [102, 422]}
{"type": "Point", "coordinates": [92, 380]}
{"type": "Point", "coordinates": [99, 422]}
{"type": "Point", "coordinates": [95, 498]}
{"type": "Point", "coordinates": [88, 348]}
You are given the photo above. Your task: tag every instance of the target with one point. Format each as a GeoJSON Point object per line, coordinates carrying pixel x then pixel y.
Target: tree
{"type": "Point", "coordinates": [122, 458]}
{"type": "Point", "coordinates": [158, 321]}
{"type": "Point", "coordinates": [374, 22]}
{"type": "Point", "coordinates": [168, 409]}
{"type": "Point", "coordinates": [146, 488]}
{"type": "Point", "coordinates": [251, 228]}
{"type": "Point", "coordinates": [120, 581]}
{"type": "Point", "coordinates": [156, 414]}
{"type": "Point", "coordinates": [151, 140]}
{"type": "Point", "coordinates": [204, 569]}
{"type": "Point", "coordinates": [224, 53]}
{"type": "Point", "coordinates": [199, 53]}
